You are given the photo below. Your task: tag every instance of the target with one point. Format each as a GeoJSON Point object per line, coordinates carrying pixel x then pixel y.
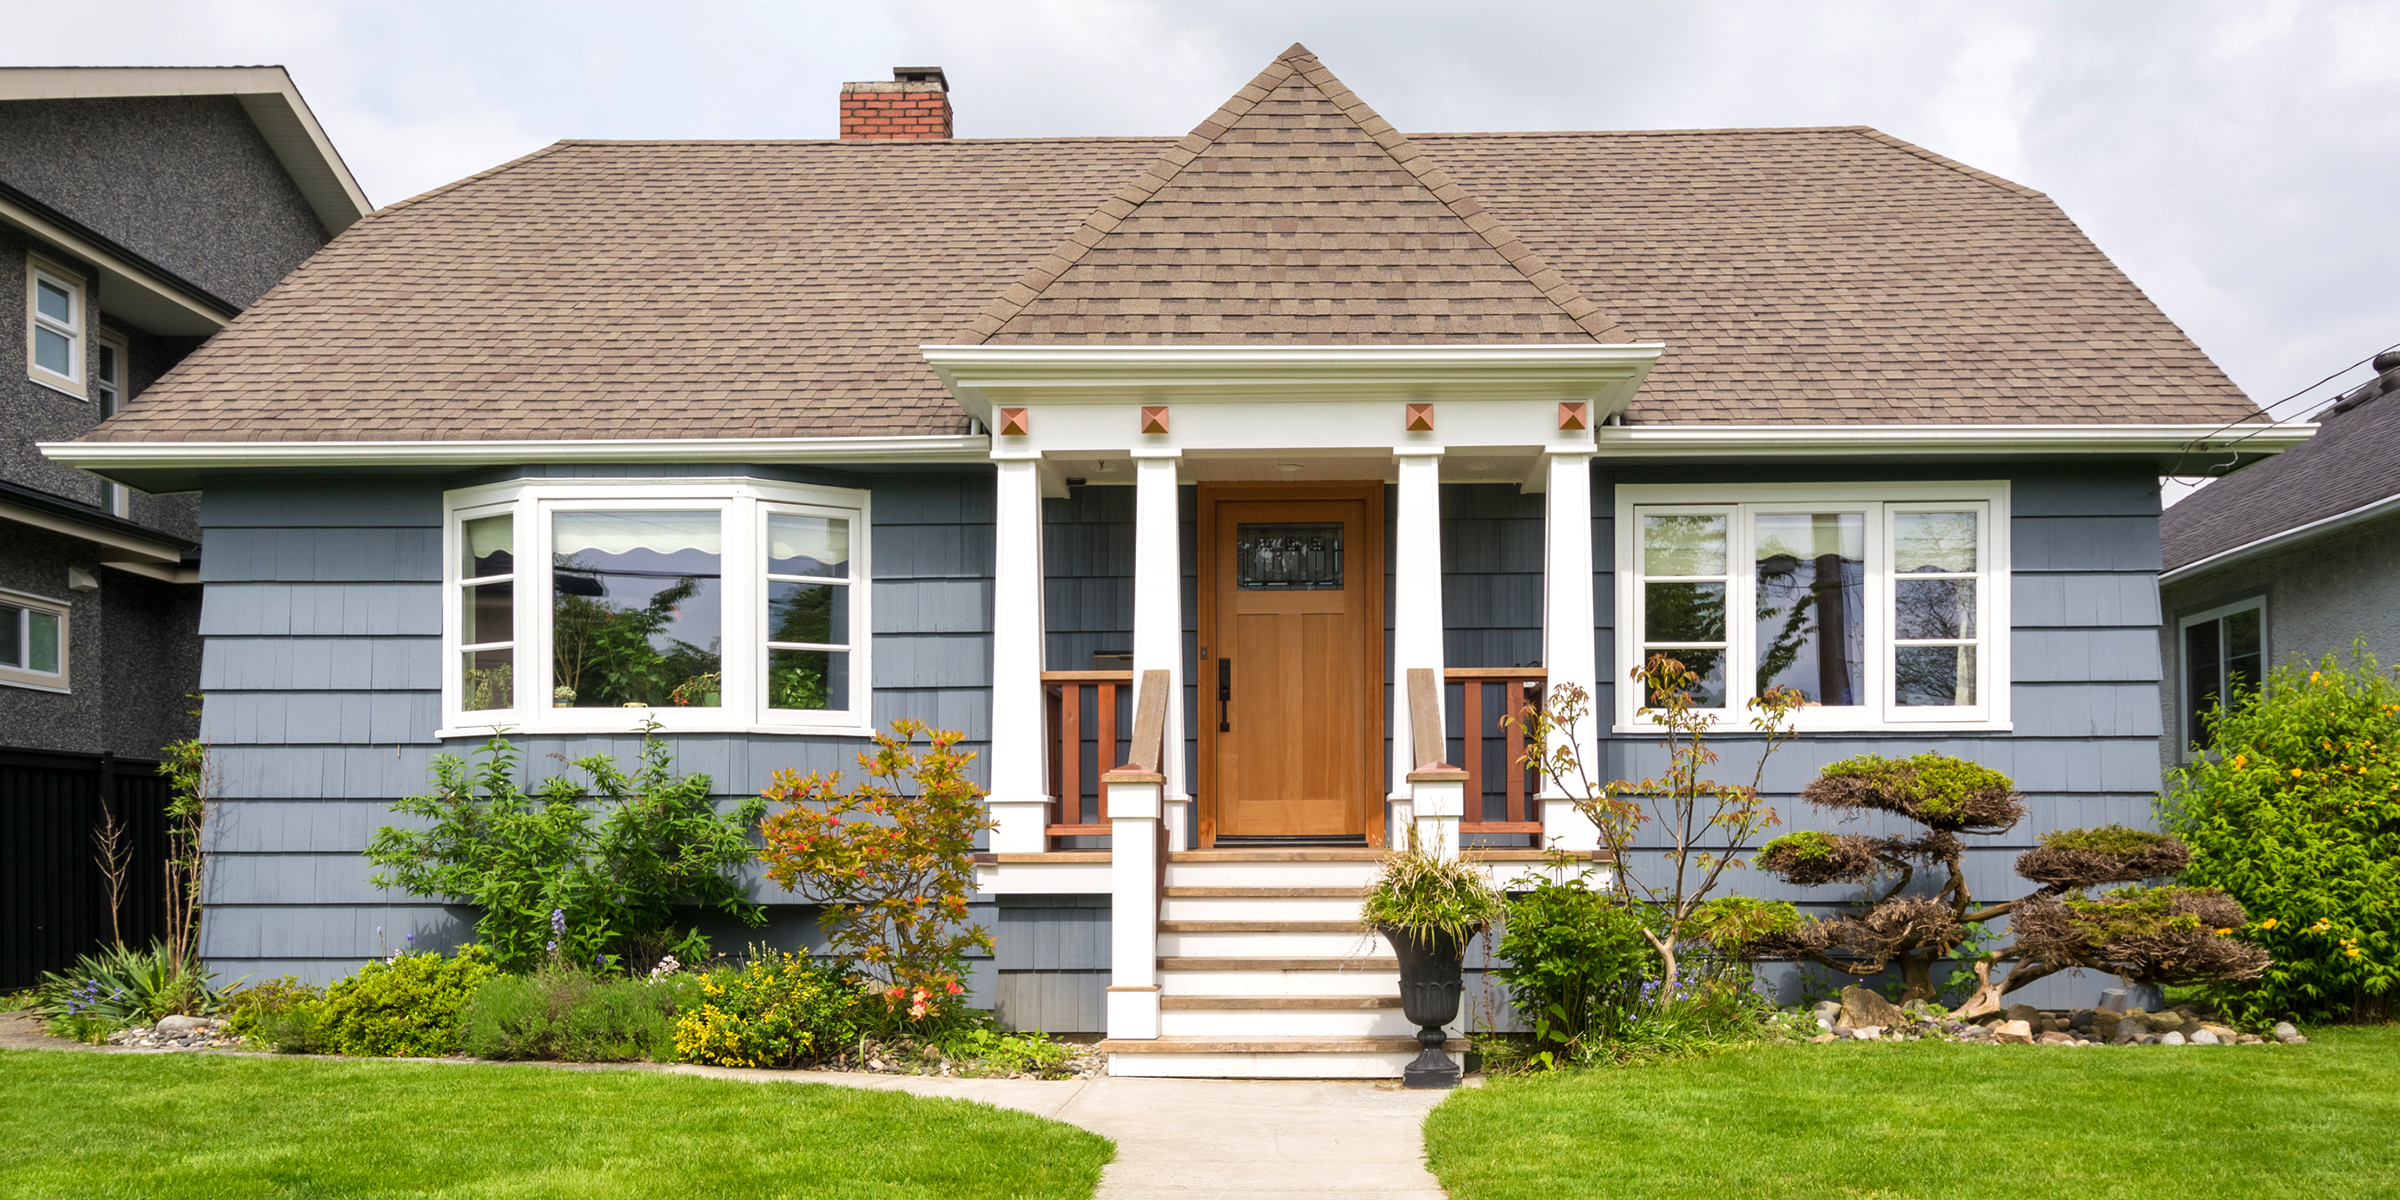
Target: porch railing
{"type": "Point", "coordinates": [1491, 703]}
{"type": "Point", "coordinates": [1087, 708]}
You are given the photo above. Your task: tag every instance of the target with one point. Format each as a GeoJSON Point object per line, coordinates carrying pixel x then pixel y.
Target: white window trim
{"type": "Point", "coordinates": [746, 503]}
{"type": "Point", "coordinates": [117, 498]}
{"type": "Point", "coordinates": [1878, 501]}
{"type": "Point", "coordinates": [2183, 662]}
{"type": "Point", "coordinates": [77, 330]}
{"type": "Point", "coordinates": [43, 681]}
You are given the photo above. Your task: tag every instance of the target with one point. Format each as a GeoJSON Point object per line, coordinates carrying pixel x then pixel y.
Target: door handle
{"type": "Point", "coordinates": [1224, 695]}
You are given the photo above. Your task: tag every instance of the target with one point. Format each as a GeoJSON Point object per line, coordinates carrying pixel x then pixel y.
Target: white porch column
{"type": "Point", "coordinates": [1020, 796]}
{"type": "Point", "coordinates": [1158, 598]}
{"type": "Point", "coordinates": [1416, 601]}
{"type": "Point", "coordinates": [1134, 810]}
{"type": "Point", "coordinates": [1568, 651]}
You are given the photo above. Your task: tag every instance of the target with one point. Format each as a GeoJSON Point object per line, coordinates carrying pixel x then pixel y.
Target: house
{"type": "Point", "coordinates": [2286, 560]}
{"type": "Point", "coordinates": [1341, 441]}
{"type": "Point", "coordinates": [141, 210]}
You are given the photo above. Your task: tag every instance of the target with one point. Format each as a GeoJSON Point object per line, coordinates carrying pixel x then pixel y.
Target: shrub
{"type": "Point", "coordinates": [777, 1010]}
{"type": "Point", "coordinates": [571, 1015]}
{"type": "Point", "coordinates": [112, 988]}
{"type": "Point", "coordinates": [891, 868]}
{"type": "Point", "coordinates": [1570, 955]}
{"type": "Point", "coordinates": [985, 1052]}
{"type": "Point", "coordinates": [555, 879]}
{"type": "Point", "coordinates": [2296, 815]}
{"type": "Point", "coordinates": [250, 1009]}
{"type": "Point", "coordinates": [406, 1007]}
{"type": "Point", "coordinates": [1425, 895]}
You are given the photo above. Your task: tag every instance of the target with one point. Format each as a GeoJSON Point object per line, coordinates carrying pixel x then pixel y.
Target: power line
{"type": "Point", "coordinates": [2268, 411]}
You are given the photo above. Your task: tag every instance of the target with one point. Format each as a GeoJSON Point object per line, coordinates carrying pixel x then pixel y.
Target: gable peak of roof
{"type": "Point", "coordinates": [1293, 197]}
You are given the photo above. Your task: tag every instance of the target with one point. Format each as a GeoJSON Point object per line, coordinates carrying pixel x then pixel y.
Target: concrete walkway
{"type": "Point", "coordinates": [1190, 1138]}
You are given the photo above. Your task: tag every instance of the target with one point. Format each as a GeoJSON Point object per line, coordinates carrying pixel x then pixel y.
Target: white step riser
{"type": "Point", "coordinates": [1375, 1065]}
{"type": "Point", "coordinates": [1279, 983]}
{"type": "Point", "coordinates": [1272, 945]}
{"type": "Point", "coordinates": [1270, 874]}
{"type": "Point", "coordinates": [1247, 908]}
{"type": "Point", "coordinates": [1259, 1023]}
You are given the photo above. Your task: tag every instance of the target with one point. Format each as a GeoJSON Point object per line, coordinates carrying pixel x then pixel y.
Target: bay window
{"type": "Point", "coordinates": [720, 604]}
{"type": "Point", "coordinates": [1881, 605]}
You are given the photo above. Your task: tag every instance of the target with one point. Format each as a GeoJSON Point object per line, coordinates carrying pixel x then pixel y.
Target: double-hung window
{"type": "Point", "coordinates": [55, 321]}
{"type": "Point", "coordinates": [110, 363]}
{"type": "Point", "coordinates": [2224, 658]}
{"type": "Point", "coordinates": [33, 641]}
{"type": "Point", "coordinates": [1883, 606]}
{"type": "Point", "coordinates": [591, 606]}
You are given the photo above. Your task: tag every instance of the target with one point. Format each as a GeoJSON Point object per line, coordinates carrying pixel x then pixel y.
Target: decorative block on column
{"type": "Point", "coordinates": [1020, 793]}
{"type": "Point", "coordinates": [1569, 651]}
{"type": "Point", "coordinates": [1575, 417]}
{"type": "Point", "coordinates": [1416, 602]}
{"type": "Point", "coordinates": [1419, 418]}
{"type": "Point", "coordinates": [1154, 418]}
{"type": "Point", "coordinates": [1014, 423]}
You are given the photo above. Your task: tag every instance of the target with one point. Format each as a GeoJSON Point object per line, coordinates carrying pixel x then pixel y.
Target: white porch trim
{"type": "Point", "coordinates": [1416, 602]}
{"type": "Point", "coordinates": [1020, 787]}
{"type": "Point", "coordinates": [1158, 599]}
{"type": "Point", "coordinates": [1569, 646]}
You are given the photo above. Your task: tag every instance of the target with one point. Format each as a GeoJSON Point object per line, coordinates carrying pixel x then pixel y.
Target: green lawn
{"type": "Point", "coordinates": [1892, 1121]}
{"type": "Point", "coordinates": [206, 1126]}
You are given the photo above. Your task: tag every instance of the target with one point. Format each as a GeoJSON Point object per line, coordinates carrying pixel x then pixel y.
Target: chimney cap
{"type": "Point", "coordinates": [932, 75]}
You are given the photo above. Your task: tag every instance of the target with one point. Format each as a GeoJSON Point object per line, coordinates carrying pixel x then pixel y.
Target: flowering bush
{"type": "Point", "coordinates": [778, 1010]}
{"type": "Point", "coordinates": [2297, 817]}
{"type": "Point", "coordinates": [891, 860]}
{"type": "Point", "coordinates": [407, 1006]}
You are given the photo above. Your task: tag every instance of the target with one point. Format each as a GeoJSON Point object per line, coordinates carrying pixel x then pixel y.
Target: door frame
{"type": "Point", "coordinates": [1371, 738]}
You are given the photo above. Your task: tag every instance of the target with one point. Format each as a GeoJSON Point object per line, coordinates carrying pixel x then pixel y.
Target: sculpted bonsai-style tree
{"type": "Point", "coordinates": [2145, 934]}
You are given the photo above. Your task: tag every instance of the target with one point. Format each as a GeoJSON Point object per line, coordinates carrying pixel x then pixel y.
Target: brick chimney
{"type": "Point", "coordinates": [915, 105]}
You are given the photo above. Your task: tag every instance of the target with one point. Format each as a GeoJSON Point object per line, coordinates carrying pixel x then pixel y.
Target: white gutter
{"type": "Point", "coordinates": [1783, 441]}
{"type": "Point", "coordinates": [107, 456]}
{"type": "Point", "coordinates": [2387, 506]}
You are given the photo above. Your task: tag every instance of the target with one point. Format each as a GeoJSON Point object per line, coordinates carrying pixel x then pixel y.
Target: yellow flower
{"type": "Point", "coordinates": [2295, 772]}
{"type": "Point", "coordinates": [2223, 932]}
{"type": "Point", "coordinates": [2354, 952]}
{"type": "Point", "coordinates": [2269, 923]}
{"type": "Point", "coordinates": [2240, 761]}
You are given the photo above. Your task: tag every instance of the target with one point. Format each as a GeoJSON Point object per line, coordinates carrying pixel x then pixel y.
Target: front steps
{"type": "Point", "coordinates": [1265, 973]}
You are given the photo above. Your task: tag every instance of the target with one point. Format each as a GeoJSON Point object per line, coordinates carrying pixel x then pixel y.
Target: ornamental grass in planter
{"type": "Point", "coordinates": [1428, 908]}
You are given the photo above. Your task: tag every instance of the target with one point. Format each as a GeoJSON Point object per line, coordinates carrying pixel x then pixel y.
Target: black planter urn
{"type": "Point", "coordinates": [1432, 981]}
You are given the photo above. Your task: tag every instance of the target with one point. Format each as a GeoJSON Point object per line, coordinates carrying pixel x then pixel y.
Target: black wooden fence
{"type": "Point", "coordinates": [53, 897]}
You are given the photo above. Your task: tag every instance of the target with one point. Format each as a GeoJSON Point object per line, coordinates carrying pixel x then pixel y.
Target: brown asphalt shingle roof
{"type": "Point", "coordinates": [781, 289]}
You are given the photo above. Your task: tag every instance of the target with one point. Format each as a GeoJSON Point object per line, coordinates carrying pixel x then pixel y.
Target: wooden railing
{"type": "Point", "coordinates": [1492, 702]}
{"type": "Point", "coordinates": [1086, 711]}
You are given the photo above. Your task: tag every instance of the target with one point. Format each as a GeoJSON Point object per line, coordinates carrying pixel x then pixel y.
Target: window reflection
{"type": "Point", "coordinates": [1811, 620]}
{"type": "Point", "coordinates": [637, 615]}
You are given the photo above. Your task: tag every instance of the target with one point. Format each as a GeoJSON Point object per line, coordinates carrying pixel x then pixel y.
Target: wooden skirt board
{"type": "Point", "coordinates": [1291, 667]}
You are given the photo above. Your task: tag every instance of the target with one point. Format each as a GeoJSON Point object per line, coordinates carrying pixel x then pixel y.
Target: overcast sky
{"type": "Point", "coordinates": [2240, 160]}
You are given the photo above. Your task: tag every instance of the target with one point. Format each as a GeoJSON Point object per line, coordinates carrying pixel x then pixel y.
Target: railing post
{"type": "Point", "coordinates": [1437, 791]}
{"type": "Point", "coordinates": [1020, 796]}
{"type": "Point", "coordinates": [1136, 795]}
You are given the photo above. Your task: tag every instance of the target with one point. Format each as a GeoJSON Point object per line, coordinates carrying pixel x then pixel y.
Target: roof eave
{"type": "Point", "coordinates": [2167, 443]}
{"type": "Point", "coordinates": [2388, 506]}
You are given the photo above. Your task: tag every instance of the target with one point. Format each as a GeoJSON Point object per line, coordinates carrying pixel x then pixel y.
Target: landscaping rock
{"type": "Point", "coordinates": [1841, 1031]}
{"type": "Point", "coordinates": [2225, 1034]}
{"type": "Point", "coordinates": [1862, 1008]}
{"type": "Point", "coordinates": [1829, 1013]}
{"type": "Point", "coordinates": [1867, 1033]}
{"type": "Point", "coordinates": [2248, 1039]}
{"type": "Point", "coordinates": [1823, 1039]}
{"type": "Point", "coordinates": [2105, 1023]}
{"type": "Point", "coordinates": [2288, 1034]}
{"type": "Point", "coordinates": [2203, 1037]}
{"type": "Point", "coordinates": [2055, 1038]}
{"type": "Point", "coordinates": [181, 1026]}
{"type": "Point", "coordinates": [2080, 1020]}
{"type": "Point", "coordinates": [2014, 1032]}
{"type": "Point", "coordinates": [2171, 1039]}
{"type": "Point", "coordinates": [2113, 1000]}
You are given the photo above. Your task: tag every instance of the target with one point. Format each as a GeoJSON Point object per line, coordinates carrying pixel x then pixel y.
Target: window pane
{"type": "Point", "coordinates": [808, 612]}
{"type": "Point", "coordinates": [1924, 543]}
{"type": "Point", "coordinates": [1934, 676]}
{"type": "Point", "coordinates": [1683, 612]}
{"type": "Point", "coordinates": [41, 641]}
{"type": "Point", "coordinates": [2203, 674]}
{"type": "Point", "coordinates": [490, 614]}
{"type": "Point", "coordinates": [1933, 608]}
{"type": "Point", "coordinates": [488, 680]}
{"type": "Point", "coordinates": [1811, 604]}
{"type": "Point", "coordinates": [637, 611]}
{"type": "Point", "coordinates": [1304, 557]}
{"type": "Point", "coordinates": [1683, 545]}
{"type": "Point", "coordinates": [804, 545]}
{"type": "Point", "coordinates": [2244, 654]}
{"type": "Point", "coordinates": [808, 679]}
{"type": "Point", "coordinates": [1709, 665]}
{"type": "Point", "coordinates": [53, 351]}
{"type": "Point", "coordinates": [12, 636]}
{"type": "Point", "coordinates": [107, 369]}
{"type": "Point", "coordinates": [54, 302]}
{"type": "Point", "coordinates": [487, 546]}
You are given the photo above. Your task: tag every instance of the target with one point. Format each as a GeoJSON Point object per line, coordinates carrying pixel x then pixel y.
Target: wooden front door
{"type": "Point", "coordinates": [1291, 666]}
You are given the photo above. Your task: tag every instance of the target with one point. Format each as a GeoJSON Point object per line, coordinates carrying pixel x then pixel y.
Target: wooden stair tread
{"type": "Point", "coordinates": [1270, 1045]}
{"type": "Point", "coordinates": [1261, 927]}
{"type": "Point", "coordinates": [1208, 963]}
{"type": "Point", "coordinates": [1266, 893]}
{"type": "Point", "coordinates": [1278, 1003]}
{"type": "Point", "coordinates": [1321, 854]}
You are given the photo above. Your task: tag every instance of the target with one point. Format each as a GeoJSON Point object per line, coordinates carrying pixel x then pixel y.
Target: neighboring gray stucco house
{"type": "Point", "coordinates": [2285, 560]}
{"type": "Point", "coordinates": [141, 209]}
{"type": "Point", "coordinates": [1326, 425]}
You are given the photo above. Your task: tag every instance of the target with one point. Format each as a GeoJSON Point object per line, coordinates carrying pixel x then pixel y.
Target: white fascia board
{"type": "Point", "coordinates": [127, 289]}
{"type": "Point", "coordinates": [982, 376]}
{"type": "Point", "coordinates": [2388, 506]}
{"type": "Point", "coordinates": [1916, 441]}
{"type": "Point", "coordinates": [107, 456]}
{"type": "Point", "coordinates": [266, 93]}
{"type": "Point", "coordinates": [102, 535]}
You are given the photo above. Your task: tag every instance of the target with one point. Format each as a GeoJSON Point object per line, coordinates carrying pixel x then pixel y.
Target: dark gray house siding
{"type": "Point", "coordinates": [322, 622]}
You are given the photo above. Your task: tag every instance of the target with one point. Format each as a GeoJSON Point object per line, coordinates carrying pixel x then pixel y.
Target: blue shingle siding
{"type": "Point", "coordinates": [322, 667]}
{"type": "Point", "coordinates": [1052, 969]}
